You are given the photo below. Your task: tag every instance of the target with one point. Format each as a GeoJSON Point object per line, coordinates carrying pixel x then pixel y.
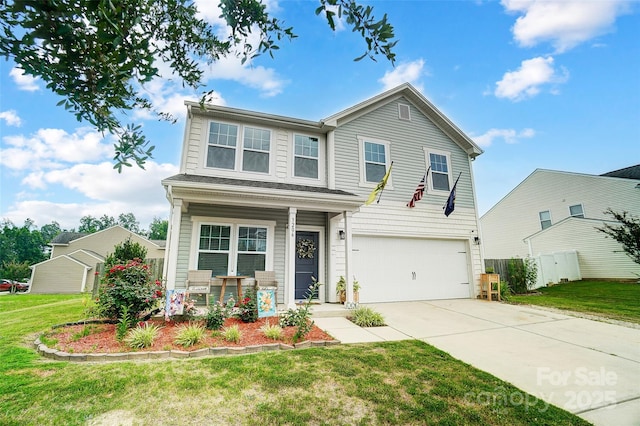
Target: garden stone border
{"type": "Point", "coordinates": [57, 355]}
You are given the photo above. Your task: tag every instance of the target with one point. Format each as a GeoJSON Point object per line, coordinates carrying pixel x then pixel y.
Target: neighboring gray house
{"type": "Point", "coordinates": [258, 191]}
{"type": "Point", "coordinates": [72, 265]}
{"type": "Point", "coordinates": [558, 212]}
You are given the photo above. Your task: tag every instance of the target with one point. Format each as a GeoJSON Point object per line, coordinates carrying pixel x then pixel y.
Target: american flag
{"type": "Point", "coordinates": [419, 192]}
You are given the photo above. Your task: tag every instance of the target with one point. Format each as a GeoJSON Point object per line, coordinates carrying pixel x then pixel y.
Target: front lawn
{"type": "Point", "coordinates": [610, 299]}
{"type": "Point", "coordinates": [406, 382]}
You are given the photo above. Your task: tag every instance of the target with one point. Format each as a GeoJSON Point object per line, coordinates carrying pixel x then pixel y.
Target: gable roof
{"type": "Point", "coordinates": [631, 172]}
{"type": "Point", "coordinates": [409, 92]}
{"type": "Point", "coordinates": [66, 237]}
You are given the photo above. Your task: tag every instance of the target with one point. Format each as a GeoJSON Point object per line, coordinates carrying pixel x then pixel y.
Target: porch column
{"type": "Point", "coordinates": [173, 240]}
{"type": "Point", "coordinates": [290, 260]}
{"type": "Point", "coordinates": [348, 259]}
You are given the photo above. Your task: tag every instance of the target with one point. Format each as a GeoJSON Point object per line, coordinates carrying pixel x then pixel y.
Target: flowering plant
{"type": "Point", "coordinates": [248, 308]}
{"type": "Point", "coordinates": [129, 286]}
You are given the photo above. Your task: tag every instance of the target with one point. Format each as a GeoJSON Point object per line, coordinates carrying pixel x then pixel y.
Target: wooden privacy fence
{"type": "Point", "coordinates": [501, 266]}
{"type": "Point", "coordinates": [156, 266]}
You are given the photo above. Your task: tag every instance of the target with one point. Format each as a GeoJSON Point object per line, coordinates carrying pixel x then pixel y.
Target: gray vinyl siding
{"type": "Point", "coordinates": [303, 218]}
{"type": "Point", "coordinates": [59, 275]}
{"type": "Point", "coordinates": [407, 142]}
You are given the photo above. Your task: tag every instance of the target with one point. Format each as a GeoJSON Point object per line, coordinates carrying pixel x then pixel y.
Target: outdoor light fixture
{"type": "Point", "coordinates": [341, 234]}
{"type": "Point", "coordinates": [476, 240]}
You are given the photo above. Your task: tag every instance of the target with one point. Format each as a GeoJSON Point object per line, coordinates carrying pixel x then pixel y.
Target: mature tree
{"type": "Point", "coordinates": [50, 231]}
{"type": "Point", "coordinates": [129, 221]}
{"type": "Point", "coordinates": [158, 229]}
{"type": "Point", "coordinates": [19, 245]}
{"type": "Point", "coordinates": [89, 224]}
{"type": "Point", "coordinates": [626, 233]}
{"type": "Point", "coordinates": [96, 54]}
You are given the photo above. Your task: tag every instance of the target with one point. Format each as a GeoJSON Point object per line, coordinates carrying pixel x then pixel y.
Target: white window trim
{"type": "Point", "coordinates": [239, 150]}
{"type": "Point", "coordinates": [197, 221]}
{"type": "Point", "coordinates": [387, 156]}
{"type": "Point", "coordinates": [540, 219]}
{"type": "Point", "coordinates": [429, 186]}
{"type": "Point", "coordinates": [321, 158]}
{"type": "Point", "coordinates": [581, 207]}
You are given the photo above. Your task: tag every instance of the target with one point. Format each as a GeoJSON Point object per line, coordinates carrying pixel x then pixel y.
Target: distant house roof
{"type": "Point", "coordinates": [66, 237]}
{"type": "Point", "coordinates": [632, 172]}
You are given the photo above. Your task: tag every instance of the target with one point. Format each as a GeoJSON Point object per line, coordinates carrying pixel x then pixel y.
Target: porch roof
{"type": "Point", "coordinates": [218, 190]}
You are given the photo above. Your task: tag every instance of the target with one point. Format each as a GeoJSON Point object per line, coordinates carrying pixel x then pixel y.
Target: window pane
{"type": "Point", "coordinates": [305, 167]}
{"type": "Point", "coordinates": [438, 163]}
{"type": "Point", "coordinates": [545, 219]}
{"type": "Point", "coordinates": [252, 239]}
{"type": "Point", "coordinates": [222, 158]}
{"type": "Point", "coordinates": [217, 262]}
{"type": "Point", "coordinates": [257, 139]}
{"type": "Point", "coordinates": [255, 162]}
{"type": "Point", "coordinates": [375, 172]}
{"type": "Point", "coordinates": [249, 263]}
{"type": "Point", "coordinates": [374, 152]}
{"type": "Point", "coordinates": [223, 134]}
{"type": "Point", "coordinates": [576, 211]}
{"type": "Point", "coordinates": [440, 181]}
{"type": "Point", "coordinates": [212, 237]}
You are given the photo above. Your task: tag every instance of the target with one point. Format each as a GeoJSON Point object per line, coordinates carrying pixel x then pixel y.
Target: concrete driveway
{"type": "Point", "coordinates": [587, 367]}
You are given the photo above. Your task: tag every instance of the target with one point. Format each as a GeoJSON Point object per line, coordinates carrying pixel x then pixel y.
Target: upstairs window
{"type": "Point", "coordinates": [375, 161]}
{"type": "Point", "coordinates": [305, 161]}
{"type": "Point", "coordinates": [545, 219]}
{"type": "Point", "coordinates": [257, 143]}
{"type": "Point", "coordinates": [221, 152]}
{"type": "Point", "coordinates": [576, 211]}
{"type": "Point", "coordinates": [440, 171]}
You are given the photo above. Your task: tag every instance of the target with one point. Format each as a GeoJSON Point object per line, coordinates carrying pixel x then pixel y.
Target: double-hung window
{"type": "Point", "coordinates": [305, 162]}
{"type": "Point", "coordinates": [374, 161]}
{"type": "Point", "coordinates": [233, 249]}
{"type": "Point", "coordinates": [545, 219]}
{"type": "Point", "coordinates": [223, 152]}
{"type": "Point", "coordinates": [440, 174]}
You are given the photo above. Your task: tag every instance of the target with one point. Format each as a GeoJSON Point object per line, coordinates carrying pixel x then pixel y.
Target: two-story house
{"type": "Point", "coordinates": [259, 191]}
{"type": "Point", "coordinates": [556, 211]}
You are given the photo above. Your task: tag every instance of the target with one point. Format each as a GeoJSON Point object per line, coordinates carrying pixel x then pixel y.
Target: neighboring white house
{"type": "Point", "coordinates": [258, 191]}
{"type": "Point", "coordinates": [558, 212]}
{"type": "Point", "coordinates": [74, 256]}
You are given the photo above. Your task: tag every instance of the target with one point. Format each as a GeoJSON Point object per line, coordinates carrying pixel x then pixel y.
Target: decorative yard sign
{"type": "Point", "coordinates": [266, 302]}
{"type": "Point", "coordinates": [174, 303]}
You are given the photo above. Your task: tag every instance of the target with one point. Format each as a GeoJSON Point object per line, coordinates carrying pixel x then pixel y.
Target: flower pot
{"type": "Point", "coordinates": [342, 296]}
{"type": "Point", "coordinates": [356, 296]}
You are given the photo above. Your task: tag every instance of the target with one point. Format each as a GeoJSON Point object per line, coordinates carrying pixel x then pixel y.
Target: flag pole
{"type": "Point", "coordinates": [385, 184]}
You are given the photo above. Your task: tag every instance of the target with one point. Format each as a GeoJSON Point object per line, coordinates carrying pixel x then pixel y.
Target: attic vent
{"type": "Point", "coordinates": [404, 113]}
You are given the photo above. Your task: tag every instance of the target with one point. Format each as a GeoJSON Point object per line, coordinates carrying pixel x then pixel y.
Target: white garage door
{"type": "Point", "coordinates": [402, 269]}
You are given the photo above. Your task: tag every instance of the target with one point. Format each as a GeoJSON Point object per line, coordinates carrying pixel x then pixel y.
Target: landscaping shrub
{"type": "Point", "coordinates": [131, 286]}
{"type": "Point", "coordinates": [367, 317]}
{"type": "Point", "coordinates": [217, 314]}
{"type": "Point", "coordinates": [124, 252]}
{"type": "Point", "coordinates": [273, 332]}
{"type": "Point", "coordinates": [248, 308]}
{"type": "Point", "coordinates": [189, 335]}
{"type": "Point", "coordinates": [523, 274]}
{"type": "Point", "coordinates": [301, 317]}
{"type": "Point", "coordinates": [232, 334]}
{"type": "Point", "coordinates": [142, 336]}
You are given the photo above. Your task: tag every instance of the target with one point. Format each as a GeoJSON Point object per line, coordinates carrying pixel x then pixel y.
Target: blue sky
{"type": "Point", "coordinates": [553, 84]}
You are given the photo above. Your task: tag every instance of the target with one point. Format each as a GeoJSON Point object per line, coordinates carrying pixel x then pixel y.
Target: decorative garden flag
{"type": "Point", "coordinates": [379, 187]}
{"type": "Point", "coordinates": [451, 201]}
{"type": "Point", "coordinates": [419, 192]}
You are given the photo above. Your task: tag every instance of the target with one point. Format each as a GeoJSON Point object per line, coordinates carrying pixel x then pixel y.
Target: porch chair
{"type": "Point", "coordinates": [199, 282]}
{"type": "Point", "coordinates": [267, 279]}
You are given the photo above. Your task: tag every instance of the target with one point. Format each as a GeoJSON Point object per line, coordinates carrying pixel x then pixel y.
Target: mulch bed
{"type": "Point", "coordinates": [102, 337]}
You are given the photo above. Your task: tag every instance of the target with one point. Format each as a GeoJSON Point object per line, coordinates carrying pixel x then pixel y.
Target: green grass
{"type": "Point", "coordinates": [610, 299]}
{"type": "Point", "coordinates": [407, 382]}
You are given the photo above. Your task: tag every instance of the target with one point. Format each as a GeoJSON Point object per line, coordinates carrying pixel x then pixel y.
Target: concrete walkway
{"type": "Point", "coordinates": [589, 368]}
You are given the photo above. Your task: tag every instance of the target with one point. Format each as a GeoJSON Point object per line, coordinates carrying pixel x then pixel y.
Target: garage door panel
{"type": "Point", "coordinates": [403, 269]}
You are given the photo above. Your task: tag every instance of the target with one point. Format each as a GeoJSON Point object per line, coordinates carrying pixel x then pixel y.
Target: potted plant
{"type": "Point", "coordinates": [356, 291]}
{"type": "Point", "coordinates": [341, 289]}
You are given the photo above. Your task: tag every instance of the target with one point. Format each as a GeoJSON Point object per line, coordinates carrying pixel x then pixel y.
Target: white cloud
{"type": "Point", "coordinates": [526, 82]}
{"type": "Point", "coordinates": [408, 72]}
{"type": "Point", "coordinates": [52, 148]}
{"type": "Point", "coordinates": [11, 118]}
{"type": "Point", "coordinates": [108, 192]}
{"type": "Point", "coordinates": [510, 136]}
{"type": "Point", "coordinates": [565, 24]}
{"type": "Point", "coordinates": [24, 81]}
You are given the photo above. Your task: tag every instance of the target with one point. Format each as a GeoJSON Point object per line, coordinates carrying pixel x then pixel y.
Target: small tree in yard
{"type": "Point", "coordinates": [523, 274]}
{"type": "Point", "coordinates": [626, 233]}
